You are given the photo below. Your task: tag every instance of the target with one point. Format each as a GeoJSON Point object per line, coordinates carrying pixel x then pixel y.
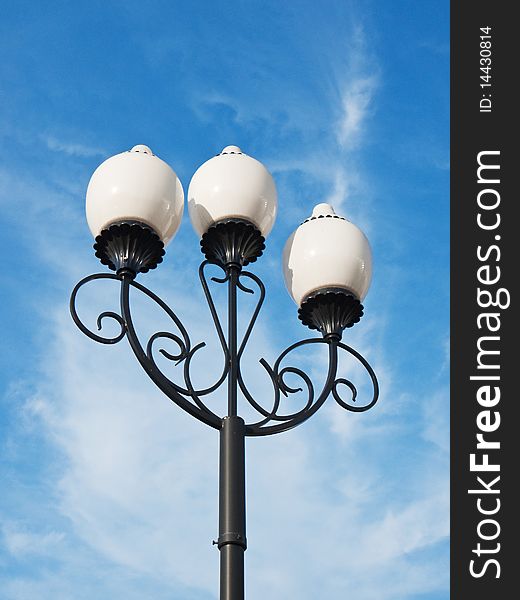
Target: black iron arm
{"type": "Point", "coordinates": [272, 418]}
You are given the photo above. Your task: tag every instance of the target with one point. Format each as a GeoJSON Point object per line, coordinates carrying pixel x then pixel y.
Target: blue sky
{"type": "Point", "coordinates": [108, 490]}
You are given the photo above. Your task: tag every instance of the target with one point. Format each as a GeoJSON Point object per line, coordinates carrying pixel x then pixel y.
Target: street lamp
{"type": "Point", "coordinates": [135, 204]}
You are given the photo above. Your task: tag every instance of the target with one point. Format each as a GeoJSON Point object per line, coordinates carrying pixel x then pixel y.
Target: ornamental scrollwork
{"type": "Point", "coordinates": [273, 417]}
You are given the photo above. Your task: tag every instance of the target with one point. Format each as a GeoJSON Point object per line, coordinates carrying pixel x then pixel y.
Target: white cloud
{"type": "Point", "coordinates": [436, 419]}
{"type": "Point", "coordinates": [358, 85]}
{"type": "Point", "coordinates": [72, 148]}
{"type": "Point", "coordinates": [340, 190]}
{"type": "Point", "coordinates": [20, 541]}
{"type": "Point", "coordinates": [357, 99]}
{"type": "Point", "coordinates": [357, 81]}
{"type": "Point", "coordinates": [417, 525]}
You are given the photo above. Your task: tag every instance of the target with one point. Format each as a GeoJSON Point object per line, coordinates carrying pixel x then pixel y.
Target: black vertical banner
{"type": "Point", "coordinates": [485, 251]}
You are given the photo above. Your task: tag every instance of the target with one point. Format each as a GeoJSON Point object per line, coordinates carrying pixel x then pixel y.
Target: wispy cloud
{"type": "Point", "coordinates": [20, 541]}
{"type": "Point", "coordinates": [357, 102]}
{"type": "Point", "coordinates": [358, 85]}
{"type": "Point", "coordinates": [357, 81]}
{"type": "Point", "coordinates": [72, 148]}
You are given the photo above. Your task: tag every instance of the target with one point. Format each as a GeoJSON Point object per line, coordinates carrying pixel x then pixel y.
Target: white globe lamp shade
{"type": "Point", "coordinates": [135, 186]}
{"type": "Point", "coordinates": [327, 252]}
{"type": "Point", "coordinates": [232, 185]}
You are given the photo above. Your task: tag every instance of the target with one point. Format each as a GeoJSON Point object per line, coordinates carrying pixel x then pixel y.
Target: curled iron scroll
{"type": "Point", "coordinates": [271, 418]}
{"type": "Point", "coordinates": [275, 422]}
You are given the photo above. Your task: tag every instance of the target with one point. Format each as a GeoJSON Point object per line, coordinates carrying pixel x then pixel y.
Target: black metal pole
{"type": "Point", "coordinates": [234, 272]}
{"type": "Point", "coordinates": [232, 484]}
{"type": "Point", "coordinates": [232, 508]}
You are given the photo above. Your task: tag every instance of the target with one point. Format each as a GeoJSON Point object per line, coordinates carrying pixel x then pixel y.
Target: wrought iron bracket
{"type": "Point", "coordinates": [231, 245]}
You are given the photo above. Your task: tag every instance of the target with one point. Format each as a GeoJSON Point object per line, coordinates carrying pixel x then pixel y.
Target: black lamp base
{"type": "Point", "coordinates": [330, 311]}
{"type": "Point", "coordinates": [129, 246]}
{"type": "Point", "coordinates": [232, 242]}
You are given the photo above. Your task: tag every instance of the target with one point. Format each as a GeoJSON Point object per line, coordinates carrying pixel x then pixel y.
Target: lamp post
{"type": "Point", "coordinates": [135, 204]}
